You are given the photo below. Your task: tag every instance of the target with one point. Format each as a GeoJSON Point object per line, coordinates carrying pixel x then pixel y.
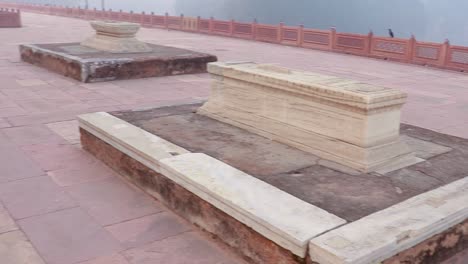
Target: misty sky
{"type": "Point", "coordinates": [429, 20]}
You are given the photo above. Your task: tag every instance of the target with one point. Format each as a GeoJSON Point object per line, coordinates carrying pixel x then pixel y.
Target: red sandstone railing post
{"type": "Point", "coordinates": [231, 27]}
{"type": "Point", "coordinates": [166, 20]}
{"type": "Point", "coordinates": [130, 18]}
{"type": "Point", "coordinates": [152, 19]}
{"type": "Point", "coordinates": [198, 23]}
{"type": "Point", "coordinates": [332, 38]}
{"type": "Point", "coordinates": [119, 15]}
{"type": "Point", "coordinates": [211, 25]}
{"type": "Point", "coordinates": [446, 55]}
{"type": "Point", "coordinates": [142, 19]}
{"type": "Point", "coordinates": [181, 23]}
{"type": "Point", "coordinates": [254, 29]}
{"type": "Point", "coordinates": [300, 36]}
{"type": "Point", "coordinates": [411, 49]}
{"type": "Point", "coordinates": [279, 36]}
{"type": "Point", "coordinates": [370, 36]}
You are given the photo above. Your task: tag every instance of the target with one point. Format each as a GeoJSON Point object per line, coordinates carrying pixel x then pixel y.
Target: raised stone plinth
{"type": "Point", "coordinates": [349, 122]}
{"type": "Point", "coordinates": [91, 65]}
{"type": "Point", "coordinates": [116, 37]}
{"type": "Point", "coordinates": [273, 203]}
{"type": "Point", "coordinates": [114, 54]}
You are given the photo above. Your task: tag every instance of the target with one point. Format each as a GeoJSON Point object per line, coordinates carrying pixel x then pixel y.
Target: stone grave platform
{"type": "Point", "coordinates": [114, 53]}
{"type": "Point", "coordinates": [274, 203]}
{"type": "Point", "coordinates": [87, 64]}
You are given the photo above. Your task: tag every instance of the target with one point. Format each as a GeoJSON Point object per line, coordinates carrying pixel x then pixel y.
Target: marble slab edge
{"type": "Point", "coordinates": [275, 214]}
{"type": "Point", "coordinates": [386, 233]}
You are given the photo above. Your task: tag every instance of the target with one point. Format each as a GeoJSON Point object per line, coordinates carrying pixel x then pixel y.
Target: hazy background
{"type": "Point", "coordinates": [429, 20]}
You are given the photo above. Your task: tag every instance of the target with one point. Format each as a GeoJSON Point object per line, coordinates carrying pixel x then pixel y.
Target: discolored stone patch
{"type": "Point", "coordinates": [435, 249]}
{"type": "Point", "coordinates": [339, 190]}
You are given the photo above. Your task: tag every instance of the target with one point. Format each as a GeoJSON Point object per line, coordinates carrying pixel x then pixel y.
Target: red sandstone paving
{"type": "Point", "coordinates": [182, 249]}
{"type": "Point", "coordinates": [68, 236]}
{"type": "Point", "coordinates": [141, 231]}
{"type": "Point", "coordinates": [112, 259]}
{"type": "Point", "coordinates": [72, 176]}
{"type": "Point", "coordinates": [99, 198]}
{"type": "Point", "coordinates": [4, 123]}
{"type": "Point", "coordinates": [34, 196]}
{"type": "Point", "coordinates": [15, 165]}
{"type": "Point", "coordinates": [30, 152]}
{"type": "Point", "coordinates": [53, 157]}
{"type": "Point", "coordinates": [35, 134]}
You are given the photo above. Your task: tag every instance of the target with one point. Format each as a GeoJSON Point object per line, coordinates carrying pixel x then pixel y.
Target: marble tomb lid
{"type": "Point", "coordinates": [326, 88]}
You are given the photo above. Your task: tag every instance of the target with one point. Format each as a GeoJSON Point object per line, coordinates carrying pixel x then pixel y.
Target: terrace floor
{"type": "Point", "coordinates": [59, 205]}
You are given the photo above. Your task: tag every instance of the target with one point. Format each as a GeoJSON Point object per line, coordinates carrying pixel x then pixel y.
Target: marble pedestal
{"type": "Point", "coordinates": [116, 37]}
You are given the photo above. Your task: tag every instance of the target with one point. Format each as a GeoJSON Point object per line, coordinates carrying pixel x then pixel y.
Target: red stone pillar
{"type": "Point", "coordinates": [131, 18]}
{"type": "Point", "coordinates": [198, 23]}
{"type": "Point", "coordinates": [411, 49]}
{"type": "Point", "coordinates": [254, 29]}
{"type": "Point", "coordinates": [181, 22]}
{"type": "Point", "coordinates": [300, 36]}
{"type": "Point", "coordinates": [370, 36]}
{"type": "Point", "coordinates": [279, 36]}
{"type": "Point", "coordinates": [332, 38]}
{"type": "Point", "coordinates": [231, 27]}
{"type": "Point", "coordinates": [210, 27]}
{"type": "Point", "coordinates": [445, 54]}
{"type": "Point", "coordinates": [166, 21]}
{"type": "Point", "coordinates": [142, 19]}
{"type": "Point", "coordinates": [152, 19]}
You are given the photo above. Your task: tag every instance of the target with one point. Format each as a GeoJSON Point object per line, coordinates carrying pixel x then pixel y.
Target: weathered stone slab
{"type": "Point", "coordinates": [345, 121]}
{"type": "Point", "coordinates": [87, 64]}
{"type": "Point", "coordinates": [383, 234]}
{"type": "Point", "coordinates": [116, 37]}
{"type": "Point", "coordinates": [277, 215]}
{"type": "Point", "coordinates": [146, 147]}
{"type": "Point", "coordinates": [207, 192]}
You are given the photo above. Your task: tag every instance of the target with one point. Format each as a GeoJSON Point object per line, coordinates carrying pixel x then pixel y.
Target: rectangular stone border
{"type": "Point", "coordinates": [386, 233]}
{"type": "Point", "coordinates": [278, 216]}
{"type": "Point", "coordinates": [440, 214]}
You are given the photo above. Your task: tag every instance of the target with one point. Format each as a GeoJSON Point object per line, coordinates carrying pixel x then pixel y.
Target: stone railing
{"type": "Point", "coordinates": [10, 18]}
{"type": "Point", "coordinates": [441, 55]}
